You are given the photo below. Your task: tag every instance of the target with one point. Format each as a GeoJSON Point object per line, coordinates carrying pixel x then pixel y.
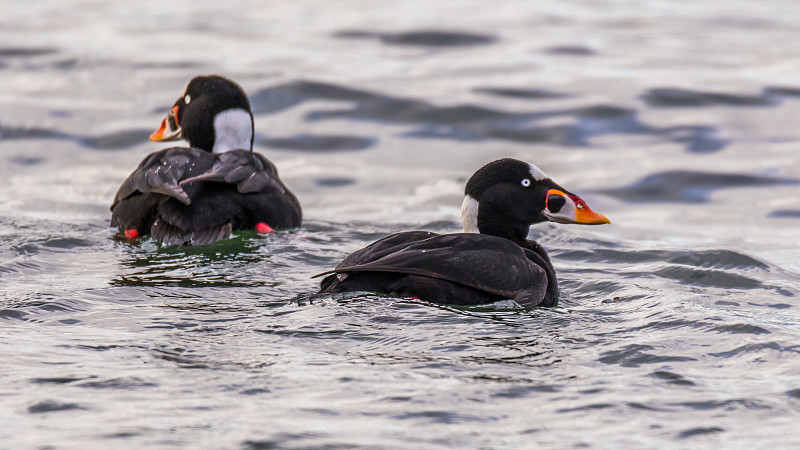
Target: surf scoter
{"type": "Point", "coordinates": [491, 261]}
{"type": "Point", "coordinates": [201, 194]}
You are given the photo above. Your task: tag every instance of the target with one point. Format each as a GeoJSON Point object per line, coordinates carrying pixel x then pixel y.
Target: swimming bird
{"type": "Point", "coordinates": [200, 194]}
{"type": "Point", "coordinates": [491, 260]}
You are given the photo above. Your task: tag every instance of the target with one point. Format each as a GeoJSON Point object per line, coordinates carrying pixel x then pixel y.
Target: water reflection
{"type": "Point", "coordinates": [241, 261]}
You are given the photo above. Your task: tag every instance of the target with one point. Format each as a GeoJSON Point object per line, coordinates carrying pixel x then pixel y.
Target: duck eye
{"type": "Point", "coordinates": [526, 182]}
{"type": "Point", "coordinates": [187, 99]}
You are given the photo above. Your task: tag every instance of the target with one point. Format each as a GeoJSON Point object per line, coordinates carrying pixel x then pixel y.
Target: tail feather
{"type": "Point", "coordinates": [168, 234]}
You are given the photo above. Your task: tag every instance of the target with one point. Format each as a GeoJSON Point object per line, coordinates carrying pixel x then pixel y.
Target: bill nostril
{"type": "Point", "coordinates": [555, 202]}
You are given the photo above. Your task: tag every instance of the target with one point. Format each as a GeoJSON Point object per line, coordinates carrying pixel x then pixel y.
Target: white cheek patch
{"type": "Point", "coordinates": [537, 173]}
{"type": "Point", "coordinates": [469, 215]}
{"type": "Point", "coordinates": [233, 130]}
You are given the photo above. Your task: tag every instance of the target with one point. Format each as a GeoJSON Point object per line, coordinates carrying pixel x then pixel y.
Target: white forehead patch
{"type": "Point", "coordinates": [537, 173]}
{"type": "Point", "coordinates": [233, 130]}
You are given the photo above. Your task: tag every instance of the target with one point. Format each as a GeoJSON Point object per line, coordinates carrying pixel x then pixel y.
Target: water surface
{"type": "Point", "coordinates": [678, 323]}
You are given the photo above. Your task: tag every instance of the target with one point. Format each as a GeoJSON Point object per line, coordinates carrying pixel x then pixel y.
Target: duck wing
{"type": "Point", "coordinates": [161, 173]}
{"type": "Point", "coordinates": [250, 172]}
{"type": "Point", "coordinates": [187, 195]}
{"type": "Point", "coordinates": [488, 263]}
{"type": "Point", "coordinates": [264, 198]}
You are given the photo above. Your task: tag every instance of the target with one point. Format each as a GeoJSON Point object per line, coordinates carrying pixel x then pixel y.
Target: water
{"type": "Point", "coordinates": [678, 324]}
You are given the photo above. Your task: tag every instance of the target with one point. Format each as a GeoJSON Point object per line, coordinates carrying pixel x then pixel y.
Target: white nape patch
{"type": "Point", "coordinates": [469, 215]}
{"type": "Point", "coordinates": [537, 173]}
{"type": "Point", "coordinates": [233, 130]}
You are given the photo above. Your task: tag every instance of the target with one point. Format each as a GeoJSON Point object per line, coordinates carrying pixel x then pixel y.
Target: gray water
{"type": "Point", "coordinates": [678, 323]}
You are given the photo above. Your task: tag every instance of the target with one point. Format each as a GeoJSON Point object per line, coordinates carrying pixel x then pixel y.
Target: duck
{"type": "Point", "coordinates": [490, 261]}
{"type": "Point", "coordinates": [201, 194]}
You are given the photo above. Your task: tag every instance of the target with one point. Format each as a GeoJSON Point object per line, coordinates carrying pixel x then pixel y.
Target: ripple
{"type": "Point", "coordinates": [713, 258]}
{"type": "Point", "coordinates": [12, 314]}
{"type": "Point", "coordinates": [592, 407]}
{"type": "Point", "coordinates": [756, 348]}
{"type": "Point", "coordinates": [422, 38]}
{"type": "Point", "coordinates": [708, 278]}
{"type": "Point", "coordinates": [274, 99]}
{"type": "Point", "coordinates": [118, 383]}
{"type": "Point", "coordinates": [741, 328]}
{"type": "Point", "coordinates": [785, 214]}
{"type": "Point", "coordinates": [726, 405]}
{"type": "Point", "coordinates": [46, 406]}
{"type": "Point", "coordinates": [527, 94]}
{"type": "Point", "coordinates": [30, 133]}
{"type": "Point", "coordinates": [112, 141]}
{"type": "Point", "coordinates": [25, 52]}
{"type": "Point", "coordinates": [283, 440]}
{"type": "Point", "coordinates": [55, 380]}
{"type": "Point", "coordinates": [672, 378]}
{"type": "Point", "coordinates": [25, 160]}
{"type": "Point", "coordinates": [685, 98]}
{"type": "Point", "coordinates": [700, 431]}
{"type": "Point", "coordinates": [524, 391]}
{"type": "Point", "coordinates": [66, 243]}
{"type": "Point", "coordinates": [716, 258]}
{"type": "Point", "coordinates": [556, 134]}
{"type": "Point", "coordinates": [319, 143]}
{"type": "Point", "coordinates": [333, 182]}
{"type": "Point", "coordinates": [231, 262]}
{"type": "Point", "coordinates": [468, 122]}
{"type": "Point", "coordinates": [115, 141]}
{"type": "Point", "coordinates": [571, 50]}
{"type": "Point", "coordinates": [633, 355]}
{"type": "Point", "coordinates": [442, 417]}
{"type": "Point", "coordinates": [782, 91]}
{"type": "Point", "coordinates": [698, 139]}
{"type": "Point", "coordinates": [682, 186]}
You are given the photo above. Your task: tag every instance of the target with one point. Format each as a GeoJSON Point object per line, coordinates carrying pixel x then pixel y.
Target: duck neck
{"type": "Point", "coordinates": [541, 258]}
{"type": "Point", "coordinates": [492, 219]}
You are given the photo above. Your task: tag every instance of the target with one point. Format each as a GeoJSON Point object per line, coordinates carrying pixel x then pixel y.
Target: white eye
{"type": "Point", "coordinates": [187, 99]}
{"type": "Point", "coordinates": [526, 182]}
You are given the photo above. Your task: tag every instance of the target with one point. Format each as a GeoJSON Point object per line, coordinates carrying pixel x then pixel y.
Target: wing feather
{"type": "Point", "coordinates": [489, 263]}
{"type": "Point", "coordinates": [160, 173]}
{"type": "Point", "coordinates": [251, 172]}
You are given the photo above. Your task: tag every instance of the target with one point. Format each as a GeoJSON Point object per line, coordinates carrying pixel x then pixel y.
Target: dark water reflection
{"type": "Point", "coordinates": [677, 325]}
{"type": "Point", "coordinates": [432, 38]}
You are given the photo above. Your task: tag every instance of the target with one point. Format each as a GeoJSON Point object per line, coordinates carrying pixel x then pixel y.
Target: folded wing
{"type": "Point", "coordinates": [488, 263]}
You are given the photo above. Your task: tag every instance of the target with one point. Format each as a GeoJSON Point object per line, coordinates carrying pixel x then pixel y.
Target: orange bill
{"type": "Point", "coordinates": [561, 207]}
{"type": "Point", "coordinates": [169, 129]}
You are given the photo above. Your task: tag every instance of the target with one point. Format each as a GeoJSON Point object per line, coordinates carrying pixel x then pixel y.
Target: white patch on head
{"type": "Point", "coordinates": [233, 130]}
{"type": "Point", "coordinates": [469, 215]}
{"type": "Point", "coordinates": [537, 173]}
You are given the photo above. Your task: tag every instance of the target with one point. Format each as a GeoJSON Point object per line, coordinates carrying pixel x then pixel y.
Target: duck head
{"type": "Point", "coordinates": [505, 197]}
{"type": "Point", "coordinates": [213, 114]}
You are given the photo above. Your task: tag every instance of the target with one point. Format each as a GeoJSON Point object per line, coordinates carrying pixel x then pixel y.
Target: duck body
{"type": "Point", "coordinates": [183, 195]}
{"type": "Point", "coordinates": [201, 194]}
{"type": "Point", "coordinates": [492, 260]}
{"type": "Point", "coordinates": [456, 269]}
